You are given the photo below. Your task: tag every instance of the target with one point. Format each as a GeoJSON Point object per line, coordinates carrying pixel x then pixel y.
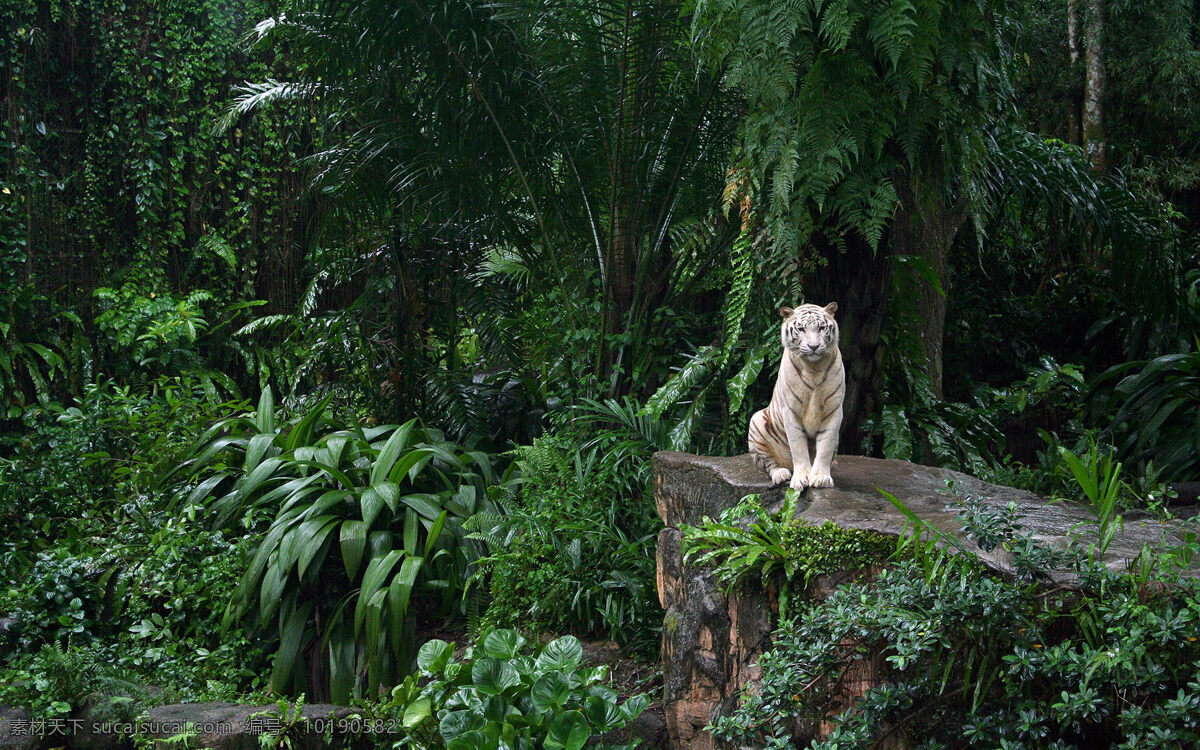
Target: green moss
{"type": "Point", "coordinates": [670, 623]}
{"type": "Point", "coordinates": [819, 549]}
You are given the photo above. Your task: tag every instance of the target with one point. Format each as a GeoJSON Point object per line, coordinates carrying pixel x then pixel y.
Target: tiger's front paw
{"type": "Point", "coordinates": [799, 481]}
{"type": "Point", "coordinates": [780, 475]}
{"type": "Point", "coordinates": [819, 478]}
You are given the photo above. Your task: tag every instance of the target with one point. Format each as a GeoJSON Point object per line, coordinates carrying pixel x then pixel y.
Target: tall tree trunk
{"type": "Point", "coordinates": [1093, 97]}
{"type": "Point", "coordinates": [924, 229]}
{"type": "Point", "coordinates": [1074, 99]}
{"type": "Point", "coordinates": [858, 279]}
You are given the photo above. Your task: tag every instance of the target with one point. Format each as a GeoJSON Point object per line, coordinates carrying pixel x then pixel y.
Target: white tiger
{"type": "Point", "coordinates": [806, 404]}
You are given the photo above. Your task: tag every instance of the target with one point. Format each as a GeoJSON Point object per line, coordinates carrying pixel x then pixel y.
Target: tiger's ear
{"type": "Point", "coordinates": [786, 312]}
{"type": "Point", "coordinates": [831, 308]}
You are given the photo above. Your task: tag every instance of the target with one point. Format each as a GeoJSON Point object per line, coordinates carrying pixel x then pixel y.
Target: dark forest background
{"type": "Point", "coordinates": [357, 322]}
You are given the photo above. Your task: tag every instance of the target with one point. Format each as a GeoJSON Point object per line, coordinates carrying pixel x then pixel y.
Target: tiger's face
{"type": "Point", "coordinates": [810, 330]}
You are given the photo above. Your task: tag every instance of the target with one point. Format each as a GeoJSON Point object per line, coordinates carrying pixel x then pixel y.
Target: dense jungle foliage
{"type": "Point", "coordinates": [337, 333]}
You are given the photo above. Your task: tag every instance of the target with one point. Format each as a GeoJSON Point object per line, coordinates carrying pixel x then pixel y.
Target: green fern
{"type": "Point", "coordinates": [849, 100]}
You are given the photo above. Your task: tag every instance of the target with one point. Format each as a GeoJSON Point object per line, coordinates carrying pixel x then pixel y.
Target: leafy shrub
{"type": "Point", "coordinates": [967, 656]}
{"type": "Point", "coordinates": [75, 471]}
{"type": "Point", "coordinates": [363, 519]}
{"type": "Point", "coordinates": [56, 682]}
{"type": "Point", "coordinates": [61, 599]}
{"type": "Point", "coordinates": [973, 437]}
{"type": "Point", "coordinates": [778, 548]}
{"type": "Point", "coordinates": [1153, 409]}
{"type": "Point", "coordinates": [573, 551]}
{"type": "Point", "coordinates": [27, 365]}
{"type": "Point", "coordinates": [48, 486]}
{"type": "Point", "coordinates": [168, 598]}
{"type": "Point", "coordinates": [499, 697]}
{"type": "Point", "coordinates": [148, 333]}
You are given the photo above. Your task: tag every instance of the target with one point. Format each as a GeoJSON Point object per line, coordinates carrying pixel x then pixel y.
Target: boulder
{"type": "Point", "coordinates": [711, 641]}
{"type": "Point", "coordinates": [16, 729]}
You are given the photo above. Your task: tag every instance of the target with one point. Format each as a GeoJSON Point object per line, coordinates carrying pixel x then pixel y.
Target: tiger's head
{"type": "Point", "coordinates": [810, 330]}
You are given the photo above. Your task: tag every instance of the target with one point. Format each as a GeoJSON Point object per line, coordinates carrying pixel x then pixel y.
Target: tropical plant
{"type": "Point", "coordinates": [782, 551]}
{"type": "Point", "coordinates": [1153, 408]}
{"type": "Point", "coordinates": [58, 682]}
{"type": "Point", "coordinates": [100, 189]}
{"type": "Point", "coordinates": [575, 205]}
{"type": "Point", "coordinates": [365, 523]}
{"type": "Point", "coordinates": [25, 364]}
{"type": "Point", "coordinates": [572, 548]}
{"type": "Point", "coordinates": [500, 696]}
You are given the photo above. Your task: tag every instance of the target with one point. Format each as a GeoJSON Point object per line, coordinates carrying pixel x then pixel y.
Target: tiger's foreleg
{"type": "Point", "coordinates": [798, 447]}
{"type": "Point", "coordinates": [820, 475]}
{"type": "Point", "coordinates": [767, 448]}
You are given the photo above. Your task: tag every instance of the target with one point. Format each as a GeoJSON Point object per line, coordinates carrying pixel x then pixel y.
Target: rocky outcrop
{"type": "Point", "coordinates": [711, 641]}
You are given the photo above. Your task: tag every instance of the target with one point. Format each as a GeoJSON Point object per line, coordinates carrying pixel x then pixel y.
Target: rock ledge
{"type": "Point", "coordinates": [711, 641]}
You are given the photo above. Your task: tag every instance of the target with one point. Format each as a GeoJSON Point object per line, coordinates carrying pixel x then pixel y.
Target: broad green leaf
{"type": "Point", "coordinates": [416, 712]}
{"type": "Point", "coordinates": [315, 548]}
{"type": "Point", "coordinates": [370, 504]}
{"type": "Point", "coordinates": [435, 531]}
{"type": "Point", "coordinates": [503, 644]}
{"type": "Point", "coordinates": [550, 691]}
{"type": "Point", "coordinates": [602, 714]}
{"type": "Point", "coordinates": [271, 589]}
{"type": "Point", "coordinates": [377, 572]}
{"type": "Point", "coordinates": [474, 740]}
{"type": "Point", "coordinates": [671, 392]}
{"type": "Point", "coordinates": [250, 483]}
{"type": "Point", "coordinates": [454, 723]}
{"type": "Point", "coordinates": [562, 653]}
{"type": "Point", "coordinates": [302, 432]}
{"type": "Point", "coordinates": [399, 594]}
{"type": "Point", "coordinates": [290, 643]}
{"type": "Point", "coordinates": [410, 465]}
{"type": "Point", "coordinates": [331, 470]}
{"type": "Point", "coordinates": [264, 417]}
{"type": "Point", "coordinates": [492, 676]}
{"type": "Point", "coordinates": [257, 448]}
{"type": "Point", "coordinates": [568, 731]}
{"type": "Point", "coordinates": [382, 467]}
{"type": "Point", "coordinates": [293, 491]}
{"type": "Point", "coordinates": [745, 377]}
{"type": "Point", "coordinates": [434, 656]}
{"type": "Point", "coordinates": [342, 668]}
{"type": "Point", "coordinates": [412, 528]}
{"type": "Point", "coordinates": [327, 501]}
{"type": "Point", "coordinates": [205, 488]}
{"type": "Point", "coordinates": [427, 505]}
{"type": "Point", "coordinates": [335, 448]}
{"type": "Point", "coordinates": [353, 537]}
{"type": "Point", "coordinates": [293, 544]}
{"type": "Point", "coordinates": [390, 492]}
{"type": "Point", "coordinates": [634, 707]}
{"type": "Point", "coordinates": [379, 543]}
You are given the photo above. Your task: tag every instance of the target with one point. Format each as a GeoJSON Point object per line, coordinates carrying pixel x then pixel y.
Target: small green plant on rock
{"type": "Point", "coordinates": [781, 549]}
{"type": "Point", "coordinates": [501, 696]}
